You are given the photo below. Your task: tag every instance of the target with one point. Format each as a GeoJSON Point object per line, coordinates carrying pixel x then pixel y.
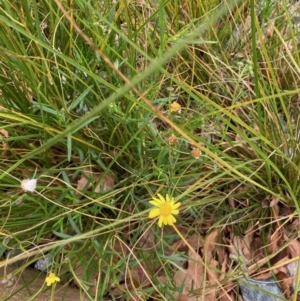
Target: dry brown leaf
{"type": "Point", "coordinates": [247, 250]}
{"type": "Point", "coordinates": [274, 201]}
{"type": "Point", "coordinates": [240, 246]}
{"type": "Point", "coordinates": [229, 292]}
{"type": "Point", "coordinates": [285, 282]}
{"type": "Point", "coordinates": [210, 246]}
{"type": "Point", "coordinates": [192, 277]}
{"type": "Point", "coordinates": [182, 298]}
{"type": "Point", "coordinates": [263, 276]}
{"type": "Point", "coordinates": [258, 249]}
{"type": "Point", "coordinates": [89, 178]}
{"type": "Point", "coordinates": [295, 225]}
{"type": "Point", "coordinates": [271, 201]}
{"type": "Point", "coordinates": [265, 203]}
{"type": "Point", "coordinates": [202, 278]}
{"type": "Point", "coordinates": [135, 279]}
{"type": "Point", "coordinates": [292, 268]}
{"type": "Point", "coordinates": [246, 246]}
{"type": "Point", "coordinates": [212, 290]}
{"type": "Point", "coordinates": [106, 183]}
{"type": "Point", "coordinates": [210, 243]}
{"type": "Point", "coordinates": [147, 240]}
{"type": "Point", "coordinates": [223, 265]}
{"type": "Point", "coordinates": [280, 270]}
{"type": "Point", "coordinates": [229, 297]}
{"type": "Point", "coordinates": [293, 248]}
{"type": "Point", "coordinates": [275, 211]}
{"type": "Point", "coordinates": [275, 241]}
{"type": "Point", "coordinates": [279, 267]}
{"type": "Point", "coordinates": [194, 241]}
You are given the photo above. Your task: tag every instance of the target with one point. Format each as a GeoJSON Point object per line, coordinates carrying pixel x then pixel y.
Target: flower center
{"type": "Point", "coordinates": [165, 209]}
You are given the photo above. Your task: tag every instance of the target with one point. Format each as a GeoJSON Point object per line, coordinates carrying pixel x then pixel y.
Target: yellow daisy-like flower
{"type": "Point", "coordinates": [165, 209]}
{"type": "Point", "coordinates": [52, 278]}
{"type": "Point", "coordinates": [175, 107]}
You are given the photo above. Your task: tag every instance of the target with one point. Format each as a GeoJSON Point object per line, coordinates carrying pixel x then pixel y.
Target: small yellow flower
{"type": "Point", "coordinates": [172, 139]}
{"type": "Point", "coordinates": [196, 153]}
{"type": "Point", "coordinates": [175, 107]}
{"type": "Point", "coordinates": [52, 278]}
{"type": "Point", "coordinates": [165, 209]}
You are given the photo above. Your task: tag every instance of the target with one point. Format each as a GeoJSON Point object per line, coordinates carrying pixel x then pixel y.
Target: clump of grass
{"type": "Point", "coordinates": [65, 108]}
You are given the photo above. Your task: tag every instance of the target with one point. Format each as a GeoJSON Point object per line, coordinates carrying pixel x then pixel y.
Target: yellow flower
{"type": "Point", "coordinates": [172, 139]}
{"type": "Point", "coordinates": [175, 107]}
{"type": "Point", "coordinates": [165, 209]}
{"type": "Point", "coordinates": [196, 153]}
{"type": "Point", "coordinates": [52, 278]}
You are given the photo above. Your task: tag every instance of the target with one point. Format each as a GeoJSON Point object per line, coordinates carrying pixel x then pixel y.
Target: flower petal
{"type": "Point", "coordinates": [171, 220]}
{"type": "Point", "coordinates": [161, 199]}
{"type": "Point", "coordinates": [175, 211]}
{"type": "Point", "coordinates": [165, 220]}
{"type": "Point", "coordinates": [160, 221]}
{"type": "Point", "coordinates": [175, 206]}
{"type": "Point", "coordinates": [155, 203]}
{"type": "Point", "coordinates": [154, 213]}
{"type": "Point", "coordinates": [52, 278]}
